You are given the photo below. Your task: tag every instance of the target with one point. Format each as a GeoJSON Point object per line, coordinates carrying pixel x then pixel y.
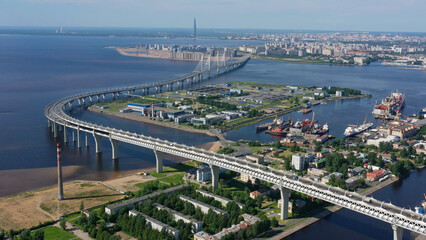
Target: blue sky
{"type": "Point", "coordinates": [359, 15]}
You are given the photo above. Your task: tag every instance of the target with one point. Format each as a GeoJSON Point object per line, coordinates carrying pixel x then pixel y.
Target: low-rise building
{"type": "Point", "coordinates": [255, 158]}
{"type": "Point", "coordinates": [249, 220]}
{"type": "Point", "coordinates": [221, 199]}
{"type": "Point", "coordinates": [114, 208]}
{"type": "Point", "coordinates": [317, 172]}
{"type": "Point", "coordinates": [355, 171]}
{"type": "Point", "coordinates": [352, 181]}
{"type": "Point", "coordinates": [157, 225]}
{"type": "Point", "coordinates": [246, 177]}
{"type": "Point", "coordinates": [375, 175]}
{"type": "Point", "coordinates": [196, 224]}
{"type": "Point", "coordinates": [203, 206]}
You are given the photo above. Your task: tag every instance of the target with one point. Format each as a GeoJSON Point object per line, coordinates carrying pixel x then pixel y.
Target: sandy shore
{"type": "Point", "coordinates": [31, 208]}
{"type": "Point", "coordinates": [147, 120]}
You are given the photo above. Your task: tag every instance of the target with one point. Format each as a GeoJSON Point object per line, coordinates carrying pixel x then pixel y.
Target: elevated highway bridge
{"type": "Point", "coordinates": [58, 118]}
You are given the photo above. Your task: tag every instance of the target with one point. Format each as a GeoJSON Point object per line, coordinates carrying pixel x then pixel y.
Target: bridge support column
{"type": "Point", "coordinates": [73, 135]}
{"type": "Point", "coordinates": [65, 134]}
{"type": "Point", "coordinates": [55, 130]}
{"type": "Point", "coordinates": [49, 124]}
{"type": "Point", "coordinates": [285, 195]}
{"type": "Point", "coordinates": [159, 157]}
{"type": "Point", "coordinates": [114, 145]}
{"type": "Point", "coordinates": [98, 142]}
{"type": "Point", "coordinates": [215, 176]}
{"type": "Point", "coordinates": [87, 139]}
{"type": "Point", "coordinates": [103, 97]}
{"type": "Point", "coordinates": [397, 232]}
{"type": "Point", "coordinates": [78, 138]}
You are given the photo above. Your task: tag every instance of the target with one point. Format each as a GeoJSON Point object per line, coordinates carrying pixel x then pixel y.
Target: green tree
{"type": "Point", "coordinates": [63, 223]}
{"type": "Point", "coordinates": [81, 206]}
{"type": "Point", "coordinates": [25, 235]}
{"type": "Point", "coordinates": [38, 235]}
{"type": "Point", "coordinates": [380, 163]}
{"type": "Point", "coordinates": [274, 222]}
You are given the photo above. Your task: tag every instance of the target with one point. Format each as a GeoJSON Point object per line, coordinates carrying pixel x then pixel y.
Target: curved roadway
{"type": "Point", "coordinates": [405, 218]}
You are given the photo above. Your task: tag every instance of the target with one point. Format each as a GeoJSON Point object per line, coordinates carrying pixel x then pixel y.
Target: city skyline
{"type": "Point", "coordinates": [328, 15]}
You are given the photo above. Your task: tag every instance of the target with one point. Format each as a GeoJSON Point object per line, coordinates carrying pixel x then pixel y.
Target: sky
{"type": "Point", "coordinates": [339, 15]}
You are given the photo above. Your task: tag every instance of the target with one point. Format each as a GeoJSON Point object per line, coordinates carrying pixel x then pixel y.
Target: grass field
{"type": "Point", "coordinates": [175, 169]}
{"type": "Point", "coordinates": [176, 179]}
{"type": "Point", "coordinates": [142, 185]}
{"type": "Point", "coordinates": [55, 233]}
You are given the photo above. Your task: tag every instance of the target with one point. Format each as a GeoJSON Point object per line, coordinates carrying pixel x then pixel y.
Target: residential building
{"type": "Point", "coordinates": [298, 161]}
{"type": "Point", "coordinates": [375, 175]}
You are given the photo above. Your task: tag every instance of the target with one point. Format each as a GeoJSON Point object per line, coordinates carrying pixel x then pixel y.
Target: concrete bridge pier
{"type": "Point", "coordinates": [98, 142]}
{"type": "Point", "coordinates": [83, 100]}
{"type": "Point", "coordinates": [188, 82]}
{"type": "Point", "coordinates": [200, 77]}
{"type": "Point", "coordinates": [79, 101]}
{"type": "Point", "coordinates": [177, 85]}
{"type": "Point", "coordinates": [70, 104]}
{"type": "Point", "coordinates": [159, 157]}
{"type": "Point", "coordinates": [78, 138]}
{"type": "Point", "coordinates": [65, 134]}
{"type": "Point", "coordinates": [114, 146]}
{"type": "Point", "coordinates": [73, 135]}
{"type": "Point", "coordinates": [285, 195]}
{"type": "Point", "coordinates": [215, 176]}
{"type": "Point", "coordinates": [103, 97]}
{"type": "Point", "coordinates": [397, 232]}
{"type": "Point", "coordinates": [49, 124]}
{"type": "Point", "coordinates": [168, 87]}
{"type": "Point", "coordinates": [87, 139]}
{"type": "Point", "coordinates": [55, 130]}
{"type": "Point", "coordinates": [91, 99]}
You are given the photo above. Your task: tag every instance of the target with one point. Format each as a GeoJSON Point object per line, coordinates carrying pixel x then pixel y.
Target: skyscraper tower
{"type": "Point", "coordinates": [195, 28]}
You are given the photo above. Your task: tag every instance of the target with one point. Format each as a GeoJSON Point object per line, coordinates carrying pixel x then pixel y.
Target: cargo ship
{"type": "Point", "coordinates": [306, 126]}
{"type": "Point", "coordinates": [277, 131]}
{"type": "Point", "coordinates": [390, 106]}
{"type": "Point", "coordinates": [269, 125]}
{"type": "Point", "coordinates": [353, 130]}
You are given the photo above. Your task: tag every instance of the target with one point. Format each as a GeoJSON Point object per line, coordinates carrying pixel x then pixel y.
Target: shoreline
{"type": "Point", "coordinates": [295, 60]}
{"type": "Point", "coordinates": [289, 110]}
{"type": "Point", "coordinates": [140, 119]}
{"type": "Point", "coordinates": [334, 208]}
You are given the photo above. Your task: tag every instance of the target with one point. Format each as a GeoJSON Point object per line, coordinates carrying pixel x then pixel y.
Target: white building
{"type": "Point", "coordinates": [298, 161]}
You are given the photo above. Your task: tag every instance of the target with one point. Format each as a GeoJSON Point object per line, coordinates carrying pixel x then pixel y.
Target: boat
{"type": "Point", "coordinates": [277, 131]}
{"type": "Point", "coordinates": [263, 126]}
{"type": "Point", "coordinates": [354, 130]}
{"type": "Point", "coordinates": [390, 106]}
{"type": "Point", "coordinates": [306, 111]}
{"type": "Point", "coordinates": [278, 122]}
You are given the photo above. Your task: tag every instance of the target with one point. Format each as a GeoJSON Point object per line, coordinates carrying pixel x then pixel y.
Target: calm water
{"type": "Point", "coordinates": [35, 70]}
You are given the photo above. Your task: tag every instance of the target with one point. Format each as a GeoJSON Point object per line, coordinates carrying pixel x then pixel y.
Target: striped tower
{"type": "Point", "coordinates": [60, 185]}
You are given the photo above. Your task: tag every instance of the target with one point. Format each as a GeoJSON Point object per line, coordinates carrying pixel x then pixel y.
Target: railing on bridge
{"type": "Point", "coordinates": [399, 218]}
